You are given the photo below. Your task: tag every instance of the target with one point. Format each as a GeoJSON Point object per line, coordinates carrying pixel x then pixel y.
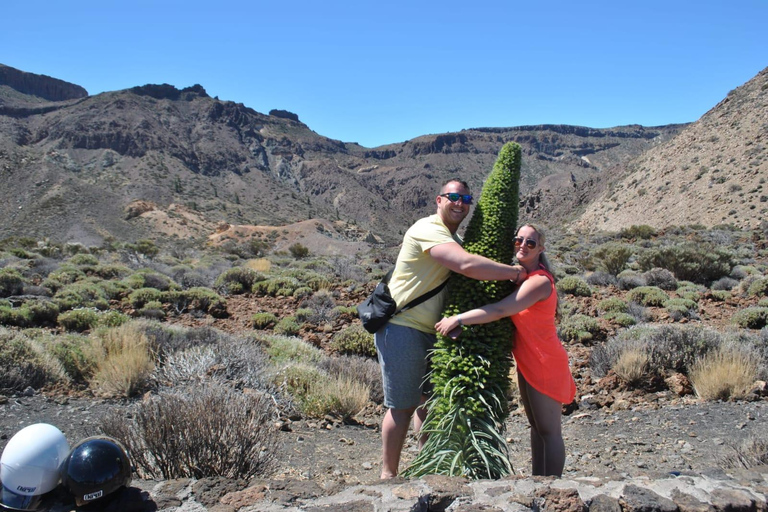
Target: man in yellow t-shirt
{"type": "Point", "coordinates": [431, 250]}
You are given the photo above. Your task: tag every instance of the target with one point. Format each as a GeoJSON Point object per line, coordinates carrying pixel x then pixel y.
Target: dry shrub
{"type": "Point", "coordinates": [360, 369]}
{"type": "Point", "coordinates": [752, 452]}
{"type": "Point", "coordinates": [203, 431]}
{"type": "Point", "coordinates": [338, 396]}
{"type": "Point", "coordinates": [726, 372]}
{"type": "Point", "coordinates": [631, 366]}
{"type": "Point", "coordinates": [124, 360]}
{"type": "Point", "coordinates": [259, 264]}
{"type": "Point", "coordinates": [184, 366]}
{"type": "Point", "coordinates": [237, 359]}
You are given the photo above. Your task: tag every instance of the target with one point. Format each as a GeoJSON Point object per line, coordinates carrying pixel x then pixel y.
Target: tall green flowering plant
{"type": "Point", "coordinates": [470, 374]}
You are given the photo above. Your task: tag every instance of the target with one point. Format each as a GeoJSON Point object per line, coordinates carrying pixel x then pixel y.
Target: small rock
{"type": "Point", "coordinates": [367, 466]}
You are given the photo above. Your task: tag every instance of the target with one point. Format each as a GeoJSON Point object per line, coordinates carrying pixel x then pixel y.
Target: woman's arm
{"type": "Point", "coordinates": [533, 290]}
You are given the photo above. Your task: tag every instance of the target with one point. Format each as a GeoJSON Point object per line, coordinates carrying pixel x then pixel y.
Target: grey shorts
{"type": "Point", "coordinates": [403, 355]}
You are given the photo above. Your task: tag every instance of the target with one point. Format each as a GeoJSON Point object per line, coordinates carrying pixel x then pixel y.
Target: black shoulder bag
{"type": "Point", "coordinates": [379, 307]}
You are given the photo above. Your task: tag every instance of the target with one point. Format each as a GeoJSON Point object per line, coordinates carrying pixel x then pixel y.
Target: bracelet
{"type": "Point", "coordinates": [458, 319]}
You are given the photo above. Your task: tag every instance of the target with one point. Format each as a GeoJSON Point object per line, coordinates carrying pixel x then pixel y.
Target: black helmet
{"type": "Point", "coordinates": [95, 467]}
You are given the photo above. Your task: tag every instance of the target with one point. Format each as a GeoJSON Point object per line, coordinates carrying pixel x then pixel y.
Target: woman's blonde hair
{"type": "Point", "coordinates": [544, 261]}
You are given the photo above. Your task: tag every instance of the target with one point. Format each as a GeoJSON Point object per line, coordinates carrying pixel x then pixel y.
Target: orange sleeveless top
{"type": "Point", "coordinates": [539, 354]}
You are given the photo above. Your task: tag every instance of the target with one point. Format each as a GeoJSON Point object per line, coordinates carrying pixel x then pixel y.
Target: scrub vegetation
{"type": "Point", "coordinates": [196, 332]}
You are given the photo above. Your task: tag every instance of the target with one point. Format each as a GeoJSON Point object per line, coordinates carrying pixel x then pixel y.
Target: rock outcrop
{"type": "Point", "coordinates": [743, 491]}
{"type": "Point", "coordinates": [42, 86]}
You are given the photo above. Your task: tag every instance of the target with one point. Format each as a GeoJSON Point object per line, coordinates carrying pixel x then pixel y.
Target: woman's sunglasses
{"type": "Point", "coordinates": [531, 244]}
{"type": "Point", "coordinates": [453, 197]}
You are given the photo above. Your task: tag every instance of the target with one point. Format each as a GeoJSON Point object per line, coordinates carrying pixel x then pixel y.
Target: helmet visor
{"type": "Point", "coordinates": [14, 500]}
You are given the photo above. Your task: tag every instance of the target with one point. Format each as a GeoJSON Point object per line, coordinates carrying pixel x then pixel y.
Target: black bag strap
{"type": "Point", "coordinates": [418, 300]}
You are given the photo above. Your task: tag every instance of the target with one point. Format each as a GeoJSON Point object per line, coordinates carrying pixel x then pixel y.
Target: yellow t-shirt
{"type": "Point", "coordinates": [416, 273]}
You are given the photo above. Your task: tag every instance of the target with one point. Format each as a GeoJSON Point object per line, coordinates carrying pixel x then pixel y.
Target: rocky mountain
{"type": "Point", "coordinates": [714, 172]}
{"type": "Point", "coordinates": [171, 164]}
{"type": "Point", "coordinates": [40, 86]}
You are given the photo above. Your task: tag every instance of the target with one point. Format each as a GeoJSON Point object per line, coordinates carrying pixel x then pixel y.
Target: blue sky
{"type": "Point", "coordinates": [384, 72]}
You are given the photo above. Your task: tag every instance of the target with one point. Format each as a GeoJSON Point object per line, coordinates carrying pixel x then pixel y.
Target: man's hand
{"type": "Point", "coordinates": [521, 276]}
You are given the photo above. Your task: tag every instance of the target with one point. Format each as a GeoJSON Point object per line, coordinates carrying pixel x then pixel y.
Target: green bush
{"type": "Point", "coordinates": [697, 263]}
{"type": "Point", "coordinates": [83, 260]}
{"type": "Point", "coordinates": [758, 288]}
{"type": "Point", "coordinates": [152, 309]}
{"type": "Point", "coordinates": [11, 282]}
{"type": "Point", "coordinates": [237, 280]}
{"type": "Point", "coordinates": [138, 298]}
{"type": "Point", "coordinates": [579, 329]}
{"type": "Point", "coordinates": [198, 298]}
{"type": "Point", "coordinates": [43, 312]}
{"type": "Point", "coordinates": [721, 295]}
{"type": "Point", "coordinates": [691, 291]}
{"type": "Point", "coordinates": [682, 302]}
{"type": "Point", "coordinates": [354, 340]}
{"type": "Point", "coordinates": [110, 271]}
{"type": "Point", "coordinates": [21, 254]}
{"type": "Point", "coordinates": [74, 353]}
{"type": "Point", "coordinates": [303, 314]}
{"type": "Point", "coordinates": [17, 317]}
{"type": "Point", "coordinates": [24, 363]}
{"type": "Point", "coordinates": [263, 320]}
{"type": "Point", "coordinates": [287, 326]}
{"type": "Point", "coordinates": [302, 291]}
{"type": "Point", "coordinates": [751, 318]}
{"type": "Point", "coordinates": [613, 256]}
{"type": "Point", "coordinates": [612, 305]}
{"type": "Point", "coordinates": [619, 318]}
{"type": "Point", "coordinates": [63, 275]}
{"type": "Point", "coordinates": [284, 349]}
{"type": "Point", "coordinates": [275, 286]}
{"type": "Point", "coordinates": [346, 310]}
{"type": "Point", "coordinates": [574, 285]}
{"type": "Point", "coordinates": [81, 294]}
{"type": "Point", "coordinates": [113, 318]}
{"type": "Point", "coordinates": [78, 320]}
{"type": "Point", "coordinates": [642, 231]}
{"type": "Point", "coordinates": [298, 251]}
{"type": "Point", "coordinates": [648, 296]}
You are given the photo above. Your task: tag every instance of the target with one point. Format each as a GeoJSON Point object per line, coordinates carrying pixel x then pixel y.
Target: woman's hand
{"type": "Point", "coordinates": [447, 326]}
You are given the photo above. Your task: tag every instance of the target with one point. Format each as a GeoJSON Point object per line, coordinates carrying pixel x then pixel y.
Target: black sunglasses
{"type": "Point", "coordinates": [453, 197]}
{"type": "Point", "coordinates": [531, 244]}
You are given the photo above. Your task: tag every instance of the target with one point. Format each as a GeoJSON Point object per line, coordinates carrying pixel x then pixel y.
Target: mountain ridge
{"type": "Point", "coordinates": [71, 169]}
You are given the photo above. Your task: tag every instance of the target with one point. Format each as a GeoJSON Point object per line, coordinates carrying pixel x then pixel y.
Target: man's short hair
{"type": "Point", "coordinates": [455, 180]}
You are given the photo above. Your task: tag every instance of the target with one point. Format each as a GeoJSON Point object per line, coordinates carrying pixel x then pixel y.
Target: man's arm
{"type": "Point", "coordinates": [474, 266]}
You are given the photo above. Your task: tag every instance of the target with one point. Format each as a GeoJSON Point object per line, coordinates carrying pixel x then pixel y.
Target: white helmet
{"type": "Point", "coordinates": [29, 466]}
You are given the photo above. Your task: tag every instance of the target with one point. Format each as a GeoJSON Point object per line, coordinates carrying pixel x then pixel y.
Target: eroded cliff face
{"type": "Point", "coordinates": [42, 86]}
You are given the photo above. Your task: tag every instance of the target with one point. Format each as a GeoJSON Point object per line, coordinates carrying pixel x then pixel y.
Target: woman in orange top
{"type": "Point", "coordinates": [544, 376]}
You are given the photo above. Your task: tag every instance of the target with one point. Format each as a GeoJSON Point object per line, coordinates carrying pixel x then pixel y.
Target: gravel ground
{"type": "Point", "coordinates": [668, 435]}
